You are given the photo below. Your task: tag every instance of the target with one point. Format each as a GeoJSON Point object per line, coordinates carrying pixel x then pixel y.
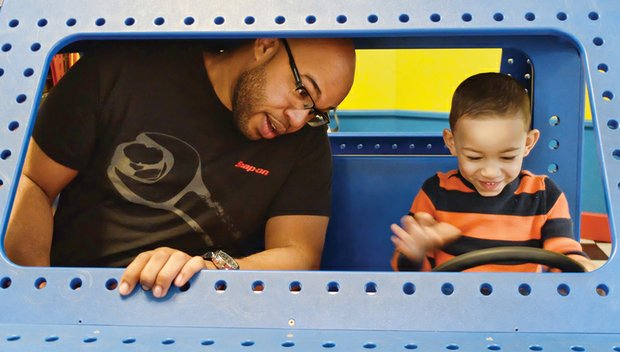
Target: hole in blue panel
{"type": "Point", "coordinates": [185, 287]}
{"type": "Point", "coordinates": [219, 20]}
{"type": "Point", "coordinates": [35, 47]}
{"type": "Point", "coordinates": [607, 95]}
{"type": "Point", "coordinates": [247, 343]}
{"type": "Point", "coordinates": [90, 340]}
{"type": "Point", "coordinates": [408, 288]}
{"type": "Point", "coordinates": [42, 22]}
{"type": "Point", "coordinates": [525, 289]}
{"type": "Point", "coordinates": [598, 41]}
{"type": "Point", "coordinates": [554, 120]}
{"type": "Point", "coordinates": [612, 124]}
{"type": "Point", "coordinates": [28, 72]}
{"type": "Point", "coordinates": [563, 290]}
{"type": "Point", "coordinates": [371, 288]}
{"type": "Point", "coordinates": [370, 345]}
{"type": "Point", "coordinates": [13, 125]}
{"type": "Point", "coordinates": [498, 17]}
{"type": "Point", "coordinates": [593, 16]}
{"type": "Point", "coordinates": [341, 19]}
{"type": "Point", "coordinates": [207, 342]}
{"type": "Point", "coordinates": [5, 282]}
{"type": "Point", "coordinates": [130, 21]}
{"type": "Point", "coordinates": [167, 341]}
{"type": "Point", "coordinates": [373, 18]}
{"type": "Point", "coordinates": [40, 283]}
{"type": "Point", "coordinates": [404, 18]}
{"type": "Point", "coordinates": [494, 348]}
{"type": "Point", "coordinates": [603, 68]}
{"type": "Point", "coordinates": [76, 283]}
{"type": "Point", "coordinates": [553, 168]}
{"type": "Point", "coordinates": [221, 286]}
{"type": "Point", "coordinates": [5, 154]}
{"type": "Point", "coordinates": [435, 17]}
{"type": "Point", "coordinates": [294, 287]}
{"type": "Point", "coordinates": [616, 348]}
{"type": "Point", "coordinates": [310, 19]}
{"type": "Point", "coordinates": [486, 289]}
{"type": "Point", "coordinates": [553, 144]}
{"type": "Point", "coordinates": [411, 346]}
{"type": "Point", "coordinates": [1, 72]}
{"type": "Point", "coordinates": [249, 20]}
{"type": "Point", "coordinates": [13, 23]}
{"type": "Point", "coordinates": [466, 17]}
{"type": "Point", "coordinates": [360, 146]}
{"type": "Point", "coordinates": [100, 22]}
{"type": "Point", "coordinates": [452, 347]}
{"type": "Point", "coordinates": [189, 21]}
{"type": "Point", "coordinates": [71, 22]}
{"type": "Point", "coordinates": [280, 19]}
{"type": "Point", "coordinates": [159, 21]}
{"type": "Point", "coordinates": [21, 98]}
{"type": "Point", "coordinates": [288, 344]}
{"type": "Point", "coordinates": [258, 286]}
{"type": "Point", "coordinates": [561, 16]}
{"type": "Point", "coordinates": [530, 16]}
{"type": "Point", "coordinates": [129, 340]}
{"type": "Point", "coordinates": [412, 146]}
{"type": "Point", "coordinates": [602, 290]}
{"type": "Point", "coordinates": [577, 348]}
{"type": "Point", "coordinates": [333, 287]}
{"type": "Point", "coordinates": [1, 183]}
{"type": "Point", "coordinates": [328, 344]}
{"type": "Point", "coordinates": [6, 47]}
{"type": "Point", "coordinates": [52, 338]}
{"type": "Point", "coordinates": [111, 284]}
{"type": "Point", "coordinates": [13, 338]}
{"type": "Point", "coordinates": [447, 289]}
{"type": "Point", "coordinates": [616, 154]}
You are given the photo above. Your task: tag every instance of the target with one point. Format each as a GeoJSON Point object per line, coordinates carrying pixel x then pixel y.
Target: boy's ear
{"type": "Point", "coordinates": [265, 49]}
{"type": "Point", "coordinates": [530, 141]}
{"type": "Point", "coordinates": [448, 139]}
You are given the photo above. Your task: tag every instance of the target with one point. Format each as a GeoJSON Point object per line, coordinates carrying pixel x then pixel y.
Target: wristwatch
{"type": "Point", "coordinates": [221, 260]}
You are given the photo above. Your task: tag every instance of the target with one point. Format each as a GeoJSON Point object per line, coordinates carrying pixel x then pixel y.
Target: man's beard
{"type": "Point", "coordinates": [249, 92]}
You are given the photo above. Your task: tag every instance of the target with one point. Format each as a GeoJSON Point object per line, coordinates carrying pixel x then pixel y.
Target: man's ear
{"type": "Point", "coordinates": [530, 141]}
{"type": "Point", "coordinates": [448, 139]}
{"type": "Point", "coordinates": [265, 49]}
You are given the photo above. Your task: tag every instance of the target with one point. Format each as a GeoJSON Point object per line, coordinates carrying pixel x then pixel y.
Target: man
{"type": "Point", "coordinates": [162, 151]}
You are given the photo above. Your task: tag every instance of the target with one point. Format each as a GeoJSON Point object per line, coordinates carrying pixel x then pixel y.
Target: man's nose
{"type": "Point", "coordinates": [297, 118]}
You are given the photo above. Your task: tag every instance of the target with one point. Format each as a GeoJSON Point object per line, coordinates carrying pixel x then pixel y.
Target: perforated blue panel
{"type": "Point", "coordinates": [569, 43]}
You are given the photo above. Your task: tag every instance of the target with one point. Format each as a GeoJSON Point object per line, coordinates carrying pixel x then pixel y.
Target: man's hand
{"type": "Point", "coordinates": [420, 234]}
{"type": "Point", "coordinates": [158, 269]}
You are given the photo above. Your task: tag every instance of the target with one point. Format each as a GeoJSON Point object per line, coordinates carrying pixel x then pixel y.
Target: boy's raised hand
{"type": "Point", "coordinates": [421, 233]}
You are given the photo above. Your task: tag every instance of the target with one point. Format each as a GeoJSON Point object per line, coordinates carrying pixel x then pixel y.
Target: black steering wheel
{"type": "Point", "coordinates": [511, 255]}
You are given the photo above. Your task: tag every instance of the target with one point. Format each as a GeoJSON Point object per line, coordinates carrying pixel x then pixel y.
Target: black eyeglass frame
{"type": "Point", "coordinates": [320, 118]}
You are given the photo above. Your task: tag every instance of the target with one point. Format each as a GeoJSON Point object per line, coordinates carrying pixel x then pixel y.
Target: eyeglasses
{"type": "Point", "coordinates": [318, 118]}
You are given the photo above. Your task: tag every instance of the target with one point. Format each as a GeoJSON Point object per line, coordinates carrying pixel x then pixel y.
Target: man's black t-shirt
{"type": "Point", "coordinates": [162, 163]}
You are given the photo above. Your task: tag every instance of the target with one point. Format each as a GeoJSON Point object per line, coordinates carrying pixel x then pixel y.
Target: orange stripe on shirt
{"type": "Point", "coordinates": [491, 226]}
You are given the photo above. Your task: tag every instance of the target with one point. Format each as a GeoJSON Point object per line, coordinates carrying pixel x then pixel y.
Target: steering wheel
{"type": "Point", "coordinates": [511, 255]}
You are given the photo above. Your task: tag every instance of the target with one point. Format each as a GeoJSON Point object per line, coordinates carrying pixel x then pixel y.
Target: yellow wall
{"type": "Point", "coordinates": [416, 79]}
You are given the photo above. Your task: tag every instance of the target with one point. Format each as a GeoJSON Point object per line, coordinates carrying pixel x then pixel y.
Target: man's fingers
{"type": "Point", "coordinates": [131, 275]}
{"type": "Point", "coordinates": [167, 272]}
{"type": "Point", "coordinates": [191, 267]}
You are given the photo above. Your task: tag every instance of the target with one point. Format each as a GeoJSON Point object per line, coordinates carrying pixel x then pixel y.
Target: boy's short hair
{"type": "Point", "coordinates": [489, 93]}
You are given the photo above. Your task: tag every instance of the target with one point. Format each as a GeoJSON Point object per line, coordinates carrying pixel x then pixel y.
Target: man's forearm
{"type": "Point", "coordinates": [29, 233]}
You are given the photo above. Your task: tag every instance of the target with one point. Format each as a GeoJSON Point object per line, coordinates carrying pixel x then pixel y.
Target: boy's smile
{"type": "Point", "coordinates": [490, 150]}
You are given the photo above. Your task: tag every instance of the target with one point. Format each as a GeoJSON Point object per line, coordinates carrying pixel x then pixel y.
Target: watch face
{"type": "Point", "coordinates": [223, 261]}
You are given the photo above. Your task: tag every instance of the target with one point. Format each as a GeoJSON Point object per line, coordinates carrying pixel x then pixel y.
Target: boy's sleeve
{"type": "Point", "coordinates": [557, 232]}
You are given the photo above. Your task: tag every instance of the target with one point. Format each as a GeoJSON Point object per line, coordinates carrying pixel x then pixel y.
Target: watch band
{"type": "Point", "coordinates": [221, 260]}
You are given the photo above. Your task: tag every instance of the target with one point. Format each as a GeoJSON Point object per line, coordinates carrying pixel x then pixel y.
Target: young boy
{"type": "Point", "coordinates": [489, 201]}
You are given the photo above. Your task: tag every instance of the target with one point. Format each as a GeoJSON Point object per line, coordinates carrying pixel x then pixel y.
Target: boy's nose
{"type": "Point", "coordinates": [490, 171]}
